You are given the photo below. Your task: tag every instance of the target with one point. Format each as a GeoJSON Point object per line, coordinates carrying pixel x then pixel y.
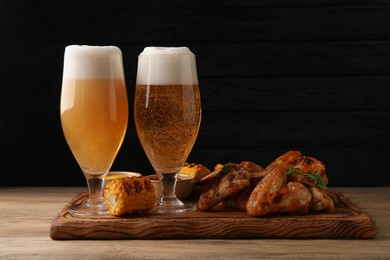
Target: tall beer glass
{"type": "Point", "coordinates": [94, 115]}
{"type": "Point", "coordinates": [167, 113]}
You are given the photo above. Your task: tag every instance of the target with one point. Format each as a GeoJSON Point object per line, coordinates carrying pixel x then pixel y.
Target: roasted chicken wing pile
{"type": "Point", "coordinates": [293, 184]}
{"type": "Point", "coordinates": [227, 183]}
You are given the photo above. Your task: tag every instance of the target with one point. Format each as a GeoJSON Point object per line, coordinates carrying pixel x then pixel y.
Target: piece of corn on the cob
{"type": "Point", "coordinates": [129, 195]}
{"type": "Point", "coordinates": [198, 171]}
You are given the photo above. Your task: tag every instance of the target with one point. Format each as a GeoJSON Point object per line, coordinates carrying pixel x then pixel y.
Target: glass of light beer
{"type": "Point", "coordinates": [167, 113]}
{"type": "Point", "coordinates": [94, 115]}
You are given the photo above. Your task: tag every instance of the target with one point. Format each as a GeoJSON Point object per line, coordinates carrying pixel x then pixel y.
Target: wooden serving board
{"type": "Point", "coordinates": [346, 221]}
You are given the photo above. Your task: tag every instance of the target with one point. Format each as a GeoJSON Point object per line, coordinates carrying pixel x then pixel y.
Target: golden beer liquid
{"type": "Point", "coordinates": [167, 119]}
{"type": "Point", "coordinates": [94, 116]}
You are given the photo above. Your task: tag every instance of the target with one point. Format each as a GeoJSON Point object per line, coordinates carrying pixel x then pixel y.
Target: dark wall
{"type": "Point", "coordinates": [275, 76]}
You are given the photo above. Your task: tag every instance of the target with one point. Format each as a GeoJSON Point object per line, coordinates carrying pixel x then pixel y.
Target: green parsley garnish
{"type": "Point", "coordinates": [226, 168]}
{"type": "Point", "coordinates": [314, 176]}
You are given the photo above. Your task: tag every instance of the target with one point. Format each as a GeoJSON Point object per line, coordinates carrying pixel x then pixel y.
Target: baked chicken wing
{"type": "Point", "coordinates": [230, 180]}
{"type": "Point", "coordinates": [289, 187]}
{"type": "Point", "coordinates": [292, 184]}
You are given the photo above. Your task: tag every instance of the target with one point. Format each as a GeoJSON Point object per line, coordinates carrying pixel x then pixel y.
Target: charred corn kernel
{"type": "Point", "coordinates": [129, 195]}
{"type": "Point", "coordinates": [198, 171]}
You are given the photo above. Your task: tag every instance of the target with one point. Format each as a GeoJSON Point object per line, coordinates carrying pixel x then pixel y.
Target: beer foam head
{"type": "Point", "coordinates": [92, 62]}
{"type": "Point", "coordinates": [166, 66]}
{"type": "Point", "coordinates": [166, 50]}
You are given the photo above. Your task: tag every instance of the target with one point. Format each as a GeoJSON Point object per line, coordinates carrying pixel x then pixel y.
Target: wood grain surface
{"type": "Point", "coordinates": [26, 214]}
{"type": "Point", "coordinates": [346, 221]}
{"type": "Point", "coordinates": [274, 76]}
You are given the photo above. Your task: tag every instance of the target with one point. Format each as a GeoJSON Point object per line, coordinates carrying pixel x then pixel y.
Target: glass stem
{"type": "Point", "coordinates": [168, 187]}
{"type": "Point", "coordinates": [95, 187]}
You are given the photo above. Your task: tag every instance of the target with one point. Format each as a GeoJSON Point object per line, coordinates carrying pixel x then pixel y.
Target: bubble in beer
{"type": "Point", "coordinates": [92, 62]}
{"type": "Point", "coordinates": [166, 66]}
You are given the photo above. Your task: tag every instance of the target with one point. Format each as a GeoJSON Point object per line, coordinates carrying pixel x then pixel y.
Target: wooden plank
{"type": "Point", "coordinates": [199, 23]}
{"type": "Point", "coordinates": [303, 128]}
{"type": "Point", "coordinates": [124, 4]}
{"type": "Point", "coordinates": [298, 59]}
{"type": "Point", "coordinates": [346, 221]}
{"type": "Point", "coordinates": [241, 94]}
{"type": "Point", "coordinates": [26, 214]}
{"type": "Point", "coordinates": [346, 166]}
{"type": "Point", "coordinates": [295, 93]}
{"type": "Point", "coordinates": [249, 129]}
{"type": "Point", "coordinates": [248, 4]}
{"type": "Point", "coordinates": [294, 59]}
{"type": "Point", "coordinates": [226, 24]}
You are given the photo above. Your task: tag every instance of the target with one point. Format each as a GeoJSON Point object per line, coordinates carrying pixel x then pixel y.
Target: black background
{"type": "Point", "coordinates": [275, 76]}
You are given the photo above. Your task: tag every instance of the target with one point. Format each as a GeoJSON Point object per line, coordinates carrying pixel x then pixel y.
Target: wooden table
{"type": "Point", "coordinates": [27, 212]}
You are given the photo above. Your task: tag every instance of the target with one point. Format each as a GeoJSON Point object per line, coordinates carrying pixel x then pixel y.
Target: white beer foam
{"type": "Point", "coordinates": [92, 62]}
{"type": "Point", "coordinates": [166, 50]}
{"type": "Point", "coordinates": [166, 66]}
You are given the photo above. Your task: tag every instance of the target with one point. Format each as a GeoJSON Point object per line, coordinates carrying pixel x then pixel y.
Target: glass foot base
{"type": "Point", "coordinates": [173, 207]}
{"type": "Point", "coordinates": [87, 209]}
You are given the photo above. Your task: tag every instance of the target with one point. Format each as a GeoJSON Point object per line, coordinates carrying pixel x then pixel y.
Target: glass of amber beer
{"type": "Point", "coordinates": [94, 115]}
{"type": "Point", "coordinates": [167, 113]}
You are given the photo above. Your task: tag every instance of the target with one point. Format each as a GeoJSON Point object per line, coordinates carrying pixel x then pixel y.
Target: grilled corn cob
{"type": "Point", "coordinates": [198, 171]}
{"type": "Point", "coordinates": [126, 196]}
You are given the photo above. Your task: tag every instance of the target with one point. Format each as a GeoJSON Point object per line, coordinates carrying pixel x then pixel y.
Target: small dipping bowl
{"type": "Point", "coordinates": [112, 175]}
{"type": "Point", "coordinates": [183, 186]}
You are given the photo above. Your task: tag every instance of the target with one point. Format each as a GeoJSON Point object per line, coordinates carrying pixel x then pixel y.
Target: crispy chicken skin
{"type": "Point", "coordinates": [257, 173]}
{"type": "Point", "coordinates": [224, 185]}
{"type": "Point", "coordinates": [302, 163]}
{"type": "Point", "coordinates": [286, 185]}
{"type": "Point", "coordinates": [321, 200]}
{"type": "Point", "coordinates": [307, 165]}
{"type": "Point", "coordinates": [262, 198]}
{"type": "Point", "coordinates": [237, 202]}
{"type": "Point", "coordinates": [294, 198]}
{"type": "Point", "coordinates": [277, 192]}
{"type": "Point", "coordinates": [251, 166]}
